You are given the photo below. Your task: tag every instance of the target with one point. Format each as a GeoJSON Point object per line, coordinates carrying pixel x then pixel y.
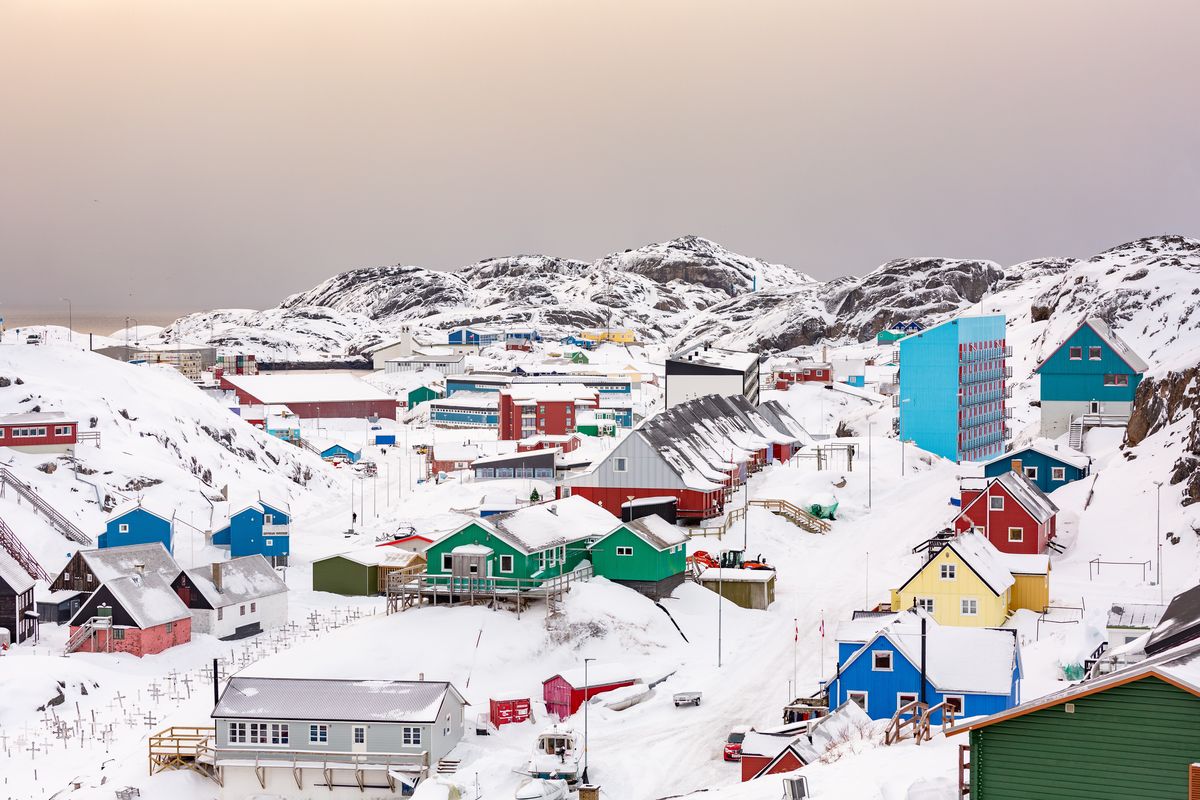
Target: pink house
{"type": "Point", "coordinates": [138, 614]}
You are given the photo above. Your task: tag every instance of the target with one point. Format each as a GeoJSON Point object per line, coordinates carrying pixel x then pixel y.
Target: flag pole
{"type": "Point", "coordinates": [795, 648]}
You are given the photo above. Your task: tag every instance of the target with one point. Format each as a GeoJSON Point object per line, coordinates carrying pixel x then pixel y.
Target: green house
{"type": "Point", "coordinates": [518, 549]}
{"type": "Point", "coordinates": [422, 394]}
{"type": "Point", "coordinates": [1132, 734]}
{"type": "Point", "coordinates": [648, 554]}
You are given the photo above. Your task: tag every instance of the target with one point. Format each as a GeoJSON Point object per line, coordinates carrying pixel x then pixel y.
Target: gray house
{"type": "Point", "coordinates": [302, 737]}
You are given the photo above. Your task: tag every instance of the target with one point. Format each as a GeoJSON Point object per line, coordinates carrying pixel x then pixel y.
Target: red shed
{"type": "Point", "coordinates": [1011, 511]}
{"type": "Point", "coordinates": [39, 432]}
{"type": "Point", "coordinates": [505, 712]}
{"type": "Point", "coordinates": [564, 693]}
{"type": "Point", "coordinates": [313, 396]}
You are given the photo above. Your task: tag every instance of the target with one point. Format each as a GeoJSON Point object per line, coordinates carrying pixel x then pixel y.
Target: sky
{"type": "Point", "coordinates": [190, 154]}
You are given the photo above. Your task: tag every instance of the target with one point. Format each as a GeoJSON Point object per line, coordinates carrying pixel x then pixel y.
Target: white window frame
{"type": "Point", "coordinates": [62, 430]}
{"type": "Point", "coordinates": [1071, 354]}
{"type": "Point", "coordinates": [963, 607]}
{"type": "Point", "coordinates": [122, 527]}
{"type": "Point", "coordinates": [237, 733]}
{"type": "Point", "coordinates": [901, 702]}
{"type": "Point", "coordinates": [410, 736]}
{"type": "Point", "coordinates": [447, 562]}
{"type": "Point", "coordinates": [891, 661]}
{"type": "Point", "coordinates": [280, 734]}
{"type": "Point", "coordinates": [506, 560]}
{"type": "Point", "coordinates": [1020, 531]}
{"type": "Point", "coordinates": [269, 542]}
{"type": "Point", "coordinates": [925, 603]}
{"type": "Point", "coordinates": [1030, 472]}
{"type": "Point", "coordinates": [948, 572]}
{"type": "Point", "coordinates": [318, 733]}
{"type": "Point", "coordinates": [1058, 473]}
{"type": "Point", "coordinates": [620, 464]}
{"type": "Point", "coordinates": [355, 732]}
{"type": "Point", "coordinates": [962, 703]}
{"type": "Point", "coordinates": [259, 733]}
{"type": "Point", "coordinates": [1097, 351]}
{"type": "Point", "coordinates": [850, 695]}
{"type": "Point", "coordinates": [267, 519]}
{"type": "Point", "coordinates": [996, 502]}
{"type": "Point", "coordinates": [624, 550]}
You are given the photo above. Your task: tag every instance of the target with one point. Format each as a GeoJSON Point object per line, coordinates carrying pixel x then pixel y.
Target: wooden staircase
{"type": "Point", "coordinates": [55, 519]}
{"type": "Point", "coordinates": [86, 631]}
{"type": "Point", "coordinates": [1076, 438]}
{"type": "Point", "coordinates": [447, 766]}
{"type": "Point", "coordinates": [12, 545]}
{"type": "Point", "coordinates": [918, 722]}
{"type": "Point", "coordinates": [789, 511]}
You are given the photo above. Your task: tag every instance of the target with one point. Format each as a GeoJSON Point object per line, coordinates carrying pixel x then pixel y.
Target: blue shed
{"type": "Point", "coordinates": [1092, 372]}
{"type": "Point", "coordinates": [259, 528]}
{"type": "Point", "coordinates": [133, 523]}
{"type": "Point", "coordinates": [879, 666]}
{"type": "Point", "coordinates": [1047, 464]}
{"type": "Point", "coordinates": [341, 452]}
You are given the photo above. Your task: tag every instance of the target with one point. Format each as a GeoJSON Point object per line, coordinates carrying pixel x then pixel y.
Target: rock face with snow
{"type": "Point", "coordinates": [1171, 401]}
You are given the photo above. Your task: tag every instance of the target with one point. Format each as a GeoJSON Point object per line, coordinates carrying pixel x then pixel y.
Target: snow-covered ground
{"type": "Point", "coordinates": [165, 440]}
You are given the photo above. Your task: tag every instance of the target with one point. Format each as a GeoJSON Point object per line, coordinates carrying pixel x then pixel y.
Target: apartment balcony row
{"type": "Point", "coordinates": [966, 400]}
{"type": "Point", "coordinates": [984, 375]}
{"type": "Point", "coordinates": [971, 443]}
{"type": "Point", "coordinates": [989, 354]}
{"type": "Point", "coordinates": [985, 419]}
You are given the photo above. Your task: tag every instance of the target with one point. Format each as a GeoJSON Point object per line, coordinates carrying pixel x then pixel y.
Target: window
{"type": "Point", "coordinates": [506, 563]}
{"type": "Point", "coordinates": [90, 577]}
{"type": "Point", "coordinates": [170, 627]}
{"type": "Point", "coordinates": [996, 503]}
{"type": "Point", "coordinates": [269, 542]}
{"type": "Point", "coordinates": [242, 609]}
{"type": "Point", "coordinates": [948, 572]}
{"type": "Point", "coordinates": [279, 733]}
{"type": "Point", "coordinates": [220, 613]}
{"type": "Point", "coordinates": [123, 527]}
{"type": "Point", "coordinates": [1075, 353]}
{"type": "Point", "coordinates": [360, 734]}
{"type": "Point", "coordinates": [1116, 380]}
{"type": "Point", "coordinates": [267, 519]}
{"type": "Point", "coordinates": [258, 733]}
{"type": "Point", "coordinates": [447, 562]}
{"type": "Point", "coordinates": [67, 577]}
{"type": "Point", "coordinates": [620, 464]}
{"type": "Point", "coordinates": [624, 551]}
{"type": "Point", "coordinates": [253, 607]}
{"type": "Point", "coordinates": [62, 430]}
{"type": "Point", "coordinates": [858, 698]}
{"type": "Point", "coordinates": [1030, 472]}
{"type": "Point", "coordinates": [970, 607]}
{"type": "Point", "coordinates": [904, 698]}
{"type": "Point", "coordinates": [924, 603]}
{"type": "Point", "coordinates": [118, 633]}
{"type": "Point", "coordinates": [1094, 354]}
{"type": "Point", "coordinates": [954, 703]}
{"type": "Point", "coordinates": [1058, 473]}
{"type": "Point", "coordinates": [410, 736]}
{"type": "Point", "coordinates": [881, 660]}
{"type": "Point", "coordinates": [318, 734]}
{"type": "Point", "coordinates": [485, 472]}
{"type": "Point", "coordinates": [237, 733]}
{"type": "Point", "coordinates": [1016, 534]}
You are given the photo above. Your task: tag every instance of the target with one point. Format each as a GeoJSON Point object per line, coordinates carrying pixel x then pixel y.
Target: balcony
{"type": "Point", "coordinates": [990, 354]}
{"type": "Point", "coordinates": [985, 375]}
{"type": "Point", "coordinates": [276, 530]}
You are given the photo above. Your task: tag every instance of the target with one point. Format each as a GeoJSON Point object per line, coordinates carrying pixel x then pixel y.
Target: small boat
{"type": "Point", "coordinates": [542, 789]}
{"type": "Point", "coordinates": [555, 756]}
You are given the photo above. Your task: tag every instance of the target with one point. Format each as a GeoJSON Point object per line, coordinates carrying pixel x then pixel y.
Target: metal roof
{"type": "Point", "coordinates": [333, 699]}
{"type": "Point", "coordinates": [115, 562]}
{"type": "Point", "coordinates": [242, 579]}
{"type": "Point", "coordinates": [1135, 615]}
{"type": "Point", "coordinates": [14, 574]}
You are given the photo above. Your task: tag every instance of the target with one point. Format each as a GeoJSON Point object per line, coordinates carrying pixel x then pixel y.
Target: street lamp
{"type": "Point", "coordinates": [70, 319]}
{"type": "Point", "coordinates": [869, 459]}
{"type": "Point", "coordinates": [1158, 537]}
{"type": "Point", "coordinates": [583, 774]}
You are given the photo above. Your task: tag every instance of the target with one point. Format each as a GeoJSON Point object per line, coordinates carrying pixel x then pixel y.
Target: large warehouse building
{"type": "Point", "coordinates": [313, 396]}
{"type": "Point", "coordinates": [702, 369]}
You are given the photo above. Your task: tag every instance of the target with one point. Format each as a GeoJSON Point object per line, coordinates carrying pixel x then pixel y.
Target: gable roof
{"type": "Point", "coordinates": [148, 599]}
{"type": "Point", "coordinates": [1180, 667]}
{"type": "Point", "coordinates": [133, 505]}
{"type": "Point", "coordinates": [558, 522]}
{"type": "Point", "coordinates": [115, 562]}
{"type": "Point", "coordinates": [653, 530]}
{"type": "Point", "coordinates": [242, 579]}
{"type": "Point", "coordinates": [1024, 491]}
{"type": "Point", "coordinates": [377, 555]}
{"type": "Point", "coordinates": [14, 574]}
{"type": "Point", "coordinates": [958, 659]}
{"type": "Point", "coordinates": [1115, 343]}
{"type": "Point", "coordinates": [333, 699]}
{"type": "Point", "coordinates": [980, 556]}
{"type": "Point", "coordinates": [802, 753]}
{"type": "Point", "coordinates": [1050, 449]}
{"type": "Point", "coordinates": [1180, 622]}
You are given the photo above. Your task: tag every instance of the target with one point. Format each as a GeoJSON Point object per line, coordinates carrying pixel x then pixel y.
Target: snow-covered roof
{"type": "Point", "coordinates": [767, 745]}
{"type": "Point", "coordinates": [718, 357]}
{"type": "Point", "coordinates": [984, 559]}
{"type": "Point", "coordinates": [36, 417]}
{"type": "Point", "coordinates": [427, 359]}
{"type": "Point", "coordinates": [335, 700]}
{"type": "Point", "coordinates": [655, 531]}
{"type": "Point", "coordinates": [598, 674]}
{"type": "Point", "coordinates": [715, 574]}
{"type": "Point", "coordinates": [1119, 345]}
{"type": "Point", "coordinates": [473, 550]}
{"type": "Point", "coordinates": [958, 659]}
{"type": "Point", "coordinates": [317, 388]}
{"type": "Point", "coordinates": [115, 562]}
{"type": "Point", "coordinates": [242, 579]}
{"type": "Point", "coordinates": [455, 452]}
{"type": "Point", "coordinates": [515, 456]}
{"type": "Point", "coordinates": [378, 555]}
{"type": "Point", "coordinates": [551, 393]}
{"type": "Point", "coordinates": [1135, 615]}
{"type": "Point", "coordinates": [1182, 617]}
{"type": "Point", "coordinates": [14, 574]}
{"type": "Point", "coordinates": [1051, 449]}
{"type": "Point", "coordinates": [1020, 488]}
{"type": "Point", "coordinates": [1025, 563]}
{"type": "Point", "coordinates": [558, 522]}
{"type": "Point", "coordinates": [485, 400]}
{"type": "Point", "coordinates": [132, 505]}
{"type": "Point", "coordinates": [147, 598]}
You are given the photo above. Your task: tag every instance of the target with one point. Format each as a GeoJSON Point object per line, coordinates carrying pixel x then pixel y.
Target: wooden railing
{"type": "Point", "coordinates": [964, 769]}
{"type": "Point", "coordinates": [180, 747]}
{"type": "Point", "coordinates": [13, 546]}
{"type": "Point", "coordinates": [788, 510]}
{"type": "Point", "coordinates": [923, 734]}
{"type": "Point", "coordinates": [56, 520]}
{"type": "Point", "coordinates": [894, 731]}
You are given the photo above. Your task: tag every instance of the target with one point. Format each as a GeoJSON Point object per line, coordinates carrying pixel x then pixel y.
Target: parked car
{"type": "Point", "coordinates": [733, 743]}
{"type": "Point", "coordinates": [33, 338]}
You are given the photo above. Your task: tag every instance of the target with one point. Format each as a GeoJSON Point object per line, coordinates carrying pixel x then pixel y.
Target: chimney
{"type": "Point", "coordinates": [554, 510]}
{"type": "Point", "coordinates": [1016, 465]}
{"type": "Point", "coordinates": [421, 676]}
{"type": "Point", "coordinates": [216, 575]}
{"type": "Point", "coordinates": [139, 568]}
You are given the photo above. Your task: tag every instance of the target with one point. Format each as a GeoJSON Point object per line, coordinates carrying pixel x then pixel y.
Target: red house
{"type": "Point", "coordinates": [315, 396]}
{"type": "Point", "coordinates": [810, 372]}
{"type": "Point", "coordinates": [566, 443]}
{"type": "Point", "coordinates": [1011, 511]}
{"type": "Point", "coordinates": [773, 754]}
{"type": "Point", "coordinates": [564, 693]}
{"type": "Point", "coordinates": [526, 411]}
{"type": "Point", "coordinates": [39, 432]}
{"type": "Point", "coordinates": [139, 614]}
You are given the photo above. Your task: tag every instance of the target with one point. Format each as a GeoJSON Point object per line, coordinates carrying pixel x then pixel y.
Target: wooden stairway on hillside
{"type": "Point", "coordinates": [12, 545]}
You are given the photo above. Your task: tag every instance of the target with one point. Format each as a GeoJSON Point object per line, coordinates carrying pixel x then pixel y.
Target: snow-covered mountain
{"type": "Point", "coordinates": [692, 287]}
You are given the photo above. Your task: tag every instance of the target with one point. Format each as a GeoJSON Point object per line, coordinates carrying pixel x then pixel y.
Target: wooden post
{"type": "Point", "coordinates": [588, 791]}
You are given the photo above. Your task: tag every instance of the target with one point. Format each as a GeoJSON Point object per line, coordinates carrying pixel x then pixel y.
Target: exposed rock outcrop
{"type": "Point", "coordinates": [1167, 401]}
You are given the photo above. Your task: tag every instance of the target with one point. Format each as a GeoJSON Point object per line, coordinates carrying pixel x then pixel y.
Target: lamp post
{"type": "Point", "coordinates": [1158, 537]}
{"type": "Point", "coordinates": [869, 460]}
{"type": "Point", "coordinates": [586, 703]}
{"type": "Point", "coordinates": [70, 319]}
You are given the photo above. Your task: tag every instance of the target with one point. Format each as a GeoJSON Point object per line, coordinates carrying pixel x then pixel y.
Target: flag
{"type": "Point", "coordinates": [796, 624]}
{"type": "Point", "coordinates": [822, 627]}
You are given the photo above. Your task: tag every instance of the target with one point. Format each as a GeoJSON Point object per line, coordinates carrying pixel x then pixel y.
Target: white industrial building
{"type": "Point", "coordinates": [703, 369]}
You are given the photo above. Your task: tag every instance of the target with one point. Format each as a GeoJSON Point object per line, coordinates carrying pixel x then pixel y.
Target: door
{"type": "Point", "coordinates": [358, 739]}
{"type": "Point", "coordinates": [1094, 407]}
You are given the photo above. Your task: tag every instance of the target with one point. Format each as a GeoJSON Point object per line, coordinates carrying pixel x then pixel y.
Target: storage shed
{"type": "Point", "coordinates": [647, 555]}
{"type": "Point", "coordinates": [357, 573]}
{"type": "Point", "coordinates": [565, 692]}
{"type": "Point", "coordinates": [748, 588]}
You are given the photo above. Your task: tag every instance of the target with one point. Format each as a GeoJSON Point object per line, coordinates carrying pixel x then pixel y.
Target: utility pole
{"type": "Point", "coordinates": [869, 460]}
{"type": "Point", "coordinates": [1158, 537]}
{"type": "Point", "coordinates": [586, 703]}
{"type": "Point", "coordinates": [70, 318]}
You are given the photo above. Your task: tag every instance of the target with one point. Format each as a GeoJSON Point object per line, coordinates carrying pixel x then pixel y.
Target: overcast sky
{"type": "Point", "coordinates": [200, 153]}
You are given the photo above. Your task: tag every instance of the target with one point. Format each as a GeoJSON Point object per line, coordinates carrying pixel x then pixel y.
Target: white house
{"type": "Point", "coordinates": [236, 598]}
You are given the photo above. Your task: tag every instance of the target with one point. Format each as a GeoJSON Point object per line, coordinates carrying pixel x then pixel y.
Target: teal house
{"type": "Point", "coordinates": [133, 523]}
{"type": "Point", "coordinates": [1093, 372]}
{"type": "Point", "coordinates": [647, 554]}
{"type": "Point", "coordinates": [1046, 463]}
{"type": "Point", "coordinates": [518, 550]}
{"type": "Point", "coordinates": [422, 394]}
{"type": "Point", "coordinates": [953, 387]}
{"type": "Point", "coordinates": [341, 453]}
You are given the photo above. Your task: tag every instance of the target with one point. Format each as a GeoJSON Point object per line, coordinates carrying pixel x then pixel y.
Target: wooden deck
{"type": "Point", "coordinates": [412, 590]}
{"type": "Point", "coordinates": [183, 748]}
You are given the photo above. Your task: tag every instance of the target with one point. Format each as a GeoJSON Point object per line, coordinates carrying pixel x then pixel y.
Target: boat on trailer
{"type": "Point", "coordinates": [542, 789]}
{"type": "Point", "coordinates": [556, 755]}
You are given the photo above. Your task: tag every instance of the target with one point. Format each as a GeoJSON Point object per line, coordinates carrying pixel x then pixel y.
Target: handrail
{"type": "Point", "coordinates": [894, 731]}
{"type": "Point", "coordinates": [57, 520]}
{"type": "Point", "coordinates": [12, 544]}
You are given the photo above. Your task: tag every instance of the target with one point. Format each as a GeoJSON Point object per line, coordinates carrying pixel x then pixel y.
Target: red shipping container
{"type": "Point", "coordinates": [503, 712]}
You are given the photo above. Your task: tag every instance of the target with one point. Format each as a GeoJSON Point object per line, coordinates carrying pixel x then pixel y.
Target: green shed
{"type": "Point", "coordinates": [357, 572]}
{"type": "Point", "coordinates": [647, 554]}
{"type": "Point", "coordinates": [422, 394]}
{"type": "Point", "coordinates": [1132, 734]}
{"type": "Point", "coordinates": [748, 588]}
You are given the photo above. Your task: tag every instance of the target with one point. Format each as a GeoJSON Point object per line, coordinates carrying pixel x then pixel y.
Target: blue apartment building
{"type": "Point", "coordinates": [954, 387]}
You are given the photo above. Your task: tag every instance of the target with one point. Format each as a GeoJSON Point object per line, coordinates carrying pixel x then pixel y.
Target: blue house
{"type": "Point", "coordinates": [521, 336]}
{"type": "Point", "coordinates": [1092, 372]}
{"type": "Point", "coordinates": [341, 452]}
{"type": "Point", "coordinates": [953, 388]}
{"type": "Point", "coordinates": [258, 528]}
{"type": "Point", "coordinates": [479, 337]}
{"type": "Point", "coordinates": [133, 523]}
{"type": "Point", "coordinates": [1047, 464]}
{"type": "Point", "coordinates": [976, 670]}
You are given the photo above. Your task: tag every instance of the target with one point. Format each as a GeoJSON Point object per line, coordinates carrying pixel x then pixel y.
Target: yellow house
{"type": "Point", "coordinates": [971, 583]}
{"type": "Point", "coordinates": [616, 335]}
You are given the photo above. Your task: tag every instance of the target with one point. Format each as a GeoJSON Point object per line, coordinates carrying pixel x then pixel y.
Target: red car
{"type": "Point", "coordinates": [733, 744]}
